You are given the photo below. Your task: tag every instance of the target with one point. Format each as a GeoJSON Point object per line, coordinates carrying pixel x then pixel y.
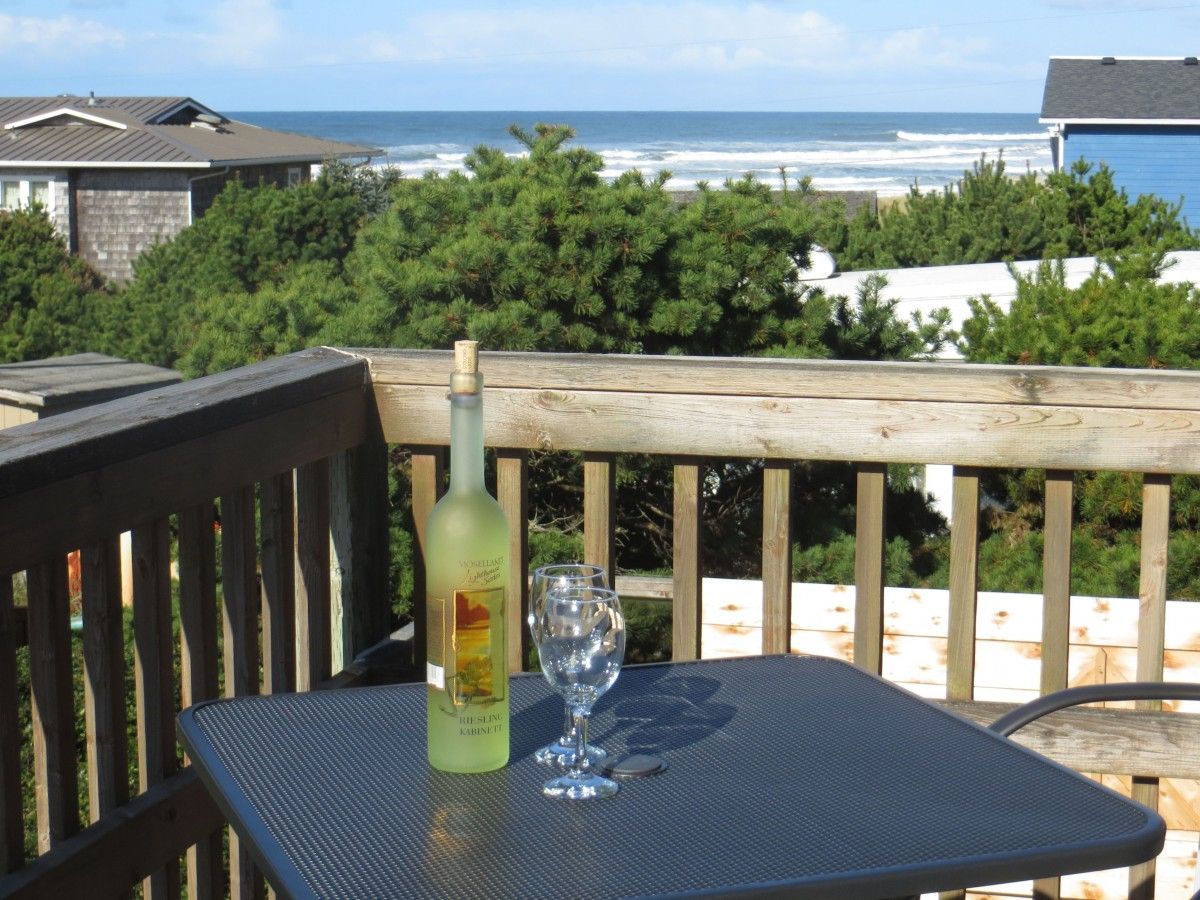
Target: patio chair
{"type": "Point", "coordinates": [1093, 693]}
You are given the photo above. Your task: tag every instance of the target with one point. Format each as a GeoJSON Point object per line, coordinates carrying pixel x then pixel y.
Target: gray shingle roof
{"type": "Point", "coordinates": [1128, 90]}
{"type": "Point", "coordinates": [146, 132]}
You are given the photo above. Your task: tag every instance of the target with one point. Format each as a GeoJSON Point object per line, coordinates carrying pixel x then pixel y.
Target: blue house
{"type": "Point", "coordinates": [1140, 116]}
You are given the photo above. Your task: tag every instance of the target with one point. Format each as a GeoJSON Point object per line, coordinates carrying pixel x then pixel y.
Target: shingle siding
{"type": "Point", "coordinates": [118, 214]}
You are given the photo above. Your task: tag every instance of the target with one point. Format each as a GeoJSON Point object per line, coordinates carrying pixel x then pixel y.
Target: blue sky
{"type": "Point", "coordinates": [924, 55]}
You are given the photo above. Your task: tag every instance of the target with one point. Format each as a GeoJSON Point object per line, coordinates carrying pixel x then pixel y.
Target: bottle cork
{"type": "Point", "coordinates": [465, 379]}
{"type": "Point", "coordinates": [466, 357]}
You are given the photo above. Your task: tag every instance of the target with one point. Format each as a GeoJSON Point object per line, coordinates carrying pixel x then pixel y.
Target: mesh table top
{"type": "Point", "coordinates": [789, 773]}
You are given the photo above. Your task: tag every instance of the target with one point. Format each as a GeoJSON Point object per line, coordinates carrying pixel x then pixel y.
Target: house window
{"type": "Point", "coordinates": [294, 175]}
{"type": "Point", "coordinates": [10, 194]}
{"type": "Point", "coordinates": [19, 193]}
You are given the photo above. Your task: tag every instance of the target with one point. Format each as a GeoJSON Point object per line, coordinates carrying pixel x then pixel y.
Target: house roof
{"type": "Point", "coordinates": [1122, 90]}
{"type": "Point", "coordinates": [146, 132]}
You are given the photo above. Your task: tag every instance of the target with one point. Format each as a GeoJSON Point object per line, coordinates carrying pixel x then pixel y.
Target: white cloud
{"type": "Point", "coordinates": [58, 37]}
{"type": "Point", "coordinates": [243, 32]}
{"type": "Point", "coordinates": [683, 35]}
{"type": "Point", "coordinates": [930, 48]}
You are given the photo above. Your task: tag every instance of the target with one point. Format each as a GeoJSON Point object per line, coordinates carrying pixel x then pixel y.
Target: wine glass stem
{"type": "Point", "coordinates": [568, 734]}
{"type": "Point", "coordinates": [579, 714]}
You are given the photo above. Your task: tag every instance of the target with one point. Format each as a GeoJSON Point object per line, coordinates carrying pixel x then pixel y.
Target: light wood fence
{"type": "Point", "coordinates": [292, 454]}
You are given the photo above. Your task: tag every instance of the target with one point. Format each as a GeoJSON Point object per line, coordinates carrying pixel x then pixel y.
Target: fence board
{"type": "Point", "coordinates": [1152, 596]}
{"type": "Point", "coordinates": [53, 710]}
{"type": "Point", "coordinates": [428, 481]}
{"type": "Point", "coordinates": [869, 565]}
{"type": "Point", "coordinates": [685, 552]}
{"type": "Point", "coordinates": [278, 584]}
{"type": "Point", "coordinates": [891, 381]}
{"type": "Point", "coordinates": [239, 589]}
{"type": "Point", "coordinates": [358, 518]}
{"type": "Point", "coordinates": [154, 674]}
{"type": "Point", "coordinates": [103, 861]}
{"type": "Point", "coordinates": [198, 664]}
{"type": "Point", "coordinates": [777, 556]}
{"type": "Point", "coordinates": [313, 649]}
{"type": "Point", "coordinates": [104, 678]}
{"type": "Point", "coordinates": [1056, 580]}
{"type": "Point", "coordinates": [12, 824]}
{"type": "Point", "coordinates": [512, 492]}
{"type": "Point", "coordinates": [951, 433]}
{"type": "Point", "coordinates": [600, 512]}
{"type": "Point", "coordinates": [964, 561]}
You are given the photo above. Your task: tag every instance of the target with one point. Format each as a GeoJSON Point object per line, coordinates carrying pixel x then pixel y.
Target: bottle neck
{"type": "Point", "coordinates": [466, 441]}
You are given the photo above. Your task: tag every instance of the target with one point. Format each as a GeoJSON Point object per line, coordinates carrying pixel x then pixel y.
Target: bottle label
{"type": "Point", "coordinates": [472, 624]}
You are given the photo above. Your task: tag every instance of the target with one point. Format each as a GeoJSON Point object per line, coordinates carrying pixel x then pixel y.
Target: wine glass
{"type": "Point", "coordinates": [580, 636]}
{"type": "Point", "coordinates": [558, 576]}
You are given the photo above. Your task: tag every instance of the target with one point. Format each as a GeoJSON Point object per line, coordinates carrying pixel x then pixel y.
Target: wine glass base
{"type": "Point", "coordinates": [560, 753]}
{"type": "Point", "coordinates": [584, 786]}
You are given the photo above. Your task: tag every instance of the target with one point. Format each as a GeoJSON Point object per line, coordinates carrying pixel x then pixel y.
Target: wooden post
{"type": "Point", "coordinates": [239, 589]}
{"type": "Point", "coordinates": [964, 566]}
{"type": "Point", "coordinates": [154, 674]}
{"type": "Point", "coordinates": [1152, 621]}
{"type": "Point", "coordinates": [313, 651]}
{"type": "Point", "coordinates": [12, 826]}
{"type": "Point", "coordinates": [600, 512]}
{"type": "Point", "coordinates": [53, 703]}
{"type": "Point", "coordinates": [104, 678]}
{"type": "Point", "coordinates": [777, 556]}
{"type": "Point", "coordinates": [428, 482]}
{"type": "Point", "coordinates": [686, 568]}
{"type": "Point", "coordinates": [358, 518]}
{"type": "Point", "coordinates": [870, 562]}
{"type": "Point", "coordinates": [278, 584]}
{"type": "Point", "coordinates": [512, 493]}
{"type": "Point", "coordinates": [198, 664]}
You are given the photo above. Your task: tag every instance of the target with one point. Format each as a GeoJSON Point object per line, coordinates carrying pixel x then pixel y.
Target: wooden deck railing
{"type": "Point", "coordinates": [293, 454]}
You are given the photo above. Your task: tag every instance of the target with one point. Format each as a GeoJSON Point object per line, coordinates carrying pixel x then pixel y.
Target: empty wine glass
{"type": "Point", "coordinates": [580, 636]}
{"type": "Point", "coordinates": [555, 577]}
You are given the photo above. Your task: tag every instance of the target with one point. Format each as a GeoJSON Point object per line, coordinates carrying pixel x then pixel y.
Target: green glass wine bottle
{"type": "Point", "coordinates": [466, 570]}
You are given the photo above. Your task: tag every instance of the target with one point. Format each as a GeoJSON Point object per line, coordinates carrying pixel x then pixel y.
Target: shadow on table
{"type": "Point", "coordinates": [674, 714]}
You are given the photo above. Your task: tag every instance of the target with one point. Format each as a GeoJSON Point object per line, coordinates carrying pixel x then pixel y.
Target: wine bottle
{"type": "Point", "coordinates": [466, 569]}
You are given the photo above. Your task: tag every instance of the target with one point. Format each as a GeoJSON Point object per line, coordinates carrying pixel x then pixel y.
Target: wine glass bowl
{"type": "Point", "coordinates": [580, 636]}
{"type": "Point", "coordinates": [561, 752]}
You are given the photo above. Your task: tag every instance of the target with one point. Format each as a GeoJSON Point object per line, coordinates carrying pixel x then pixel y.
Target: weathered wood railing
{"type": "Point", "coordinates": [293, 451]}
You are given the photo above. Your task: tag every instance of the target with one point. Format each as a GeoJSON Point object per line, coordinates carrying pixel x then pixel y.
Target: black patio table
{"type": "Point", "coordinates": [791, 775]}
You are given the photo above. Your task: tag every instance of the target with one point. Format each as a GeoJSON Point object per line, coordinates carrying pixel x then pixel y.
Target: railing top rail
{"type": "Point", "coordinates": [932, 381]}
{"type": "Point", "coordinates": [93, 437]}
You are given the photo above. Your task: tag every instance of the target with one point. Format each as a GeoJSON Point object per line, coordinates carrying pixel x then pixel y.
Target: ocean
{"type": "Point", "coordinates": [882, 152]}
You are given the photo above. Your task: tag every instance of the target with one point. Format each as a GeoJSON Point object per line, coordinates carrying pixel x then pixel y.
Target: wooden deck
{"type": "Point", "coordinates": [292, 454]}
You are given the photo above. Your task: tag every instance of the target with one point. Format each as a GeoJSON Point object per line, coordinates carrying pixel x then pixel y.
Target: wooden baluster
{"type": "Point", "coordinates": [870, 563]}
{"type": "Point", "coordinates": [964, 568]}
{"type": "Point", "coordinates": [359, 529]}
{"type": "Point", "coordinates": [686, 569]}
{"type": "Point", "coordinates": [53, 703]}
{"type": "Point", "coordinates": [600, 512]}
{"type": "Point", "coordinates": [12, 825]}
{"type": "Point", "coordinates": [964, 564]}
{"type": "Point", "coordinates": [777, 556]}
{"type": "Point", "coordinates": [313, 645]}
{"type": "Point", "coordinates": [278, 584]}
{"type": "Point", "coordinates": [1152, 620]}
{"type": "Point", "coordinates": [198, 663]}
{"type": "Point", "coordinates": [1056, 608]}
{"type": "Point", "coordinates": [154, 674]}
{"type": "Point", "coordinates": [428, 482]}
{"type": "Point", "coordinates": [104, 677]}
{"type": "Point", "coordinates": [512, 492]}
{"type": "Point", "coordinates": [239, 587]}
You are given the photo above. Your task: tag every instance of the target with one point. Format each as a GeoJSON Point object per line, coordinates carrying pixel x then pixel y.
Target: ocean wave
{"type": "Point", "coordinates": [918, 137]}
